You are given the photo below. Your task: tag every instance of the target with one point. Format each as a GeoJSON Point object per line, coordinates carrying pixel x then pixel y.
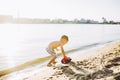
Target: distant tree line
{"type": "Point", "coordinates": [11, 19]}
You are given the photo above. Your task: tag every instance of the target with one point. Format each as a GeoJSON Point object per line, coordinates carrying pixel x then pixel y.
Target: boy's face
{"type": "Point", "coordinates": [64, 41]}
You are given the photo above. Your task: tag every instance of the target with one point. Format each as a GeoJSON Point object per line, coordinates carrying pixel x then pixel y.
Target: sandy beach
{"type": "Point", "coordinates": [100, 63]}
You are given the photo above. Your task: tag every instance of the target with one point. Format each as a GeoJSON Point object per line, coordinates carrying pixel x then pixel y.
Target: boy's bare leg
{"type": "Point", "coordinates": [51, 61]}
{"type": "Point", "coordinates": [54, 62]}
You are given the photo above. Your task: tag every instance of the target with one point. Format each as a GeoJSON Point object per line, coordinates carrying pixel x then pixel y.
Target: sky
{"type": "Point", "coordinates": [66, 9]}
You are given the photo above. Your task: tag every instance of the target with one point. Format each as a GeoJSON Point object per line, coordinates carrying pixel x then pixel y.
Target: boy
{"type": "Point", "coordinates": [54, 46]}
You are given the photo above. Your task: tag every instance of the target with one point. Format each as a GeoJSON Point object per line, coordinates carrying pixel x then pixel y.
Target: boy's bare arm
{"type": "Point", "coordinates": [63, 52]}
{"type": "Point", "coordinates": [57, 49]}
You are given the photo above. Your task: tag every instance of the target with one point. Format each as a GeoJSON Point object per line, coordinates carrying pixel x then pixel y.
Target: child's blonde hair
{"type": "Point", "coordinates": [65, 37]}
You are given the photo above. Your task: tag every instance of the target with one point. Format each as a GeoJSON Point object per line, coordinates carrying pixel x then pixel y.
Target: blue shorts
{"type": "Point", "coordinates": [52, 52]}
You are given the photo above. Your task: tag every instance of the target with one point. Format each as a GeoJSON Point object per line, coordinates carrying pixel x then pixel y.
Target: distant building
{"type": "Point", "coordinates": [6, 19]}
{"type": "Point", "coordinates": [83, 20]}
{"type": "Point", "coordinates": [93, 22]}
{"type": "Point", "coordinates": [76, 21]}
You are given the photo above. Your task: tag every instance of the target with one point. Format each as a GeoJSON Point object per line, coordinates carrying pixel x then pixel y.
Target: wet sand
{"type": "Point", "coordinates": [29, 63]}
{"type": "Point", "coordinates": [102, 63]}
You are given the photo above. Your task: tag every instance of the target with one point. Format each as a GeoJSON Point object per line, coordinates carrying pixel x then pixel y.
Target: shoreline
{"type": "Point", "coordinates": [44, 59]}
{"type": "Point", "coordinates": [90, 54]}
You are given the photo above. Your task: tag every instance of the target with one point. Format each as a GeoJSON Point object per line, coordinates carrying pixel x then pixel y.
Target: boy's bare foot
{"type": "Point", "coordinates": [54, 62]}
{"type": "Point", "coordinates": [49, 65]}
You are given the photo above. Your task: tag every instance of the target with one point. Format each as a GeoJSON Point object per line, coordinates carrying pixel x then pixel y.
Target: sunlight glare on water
{"type": "Point", "coordinates": [24, 42]}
